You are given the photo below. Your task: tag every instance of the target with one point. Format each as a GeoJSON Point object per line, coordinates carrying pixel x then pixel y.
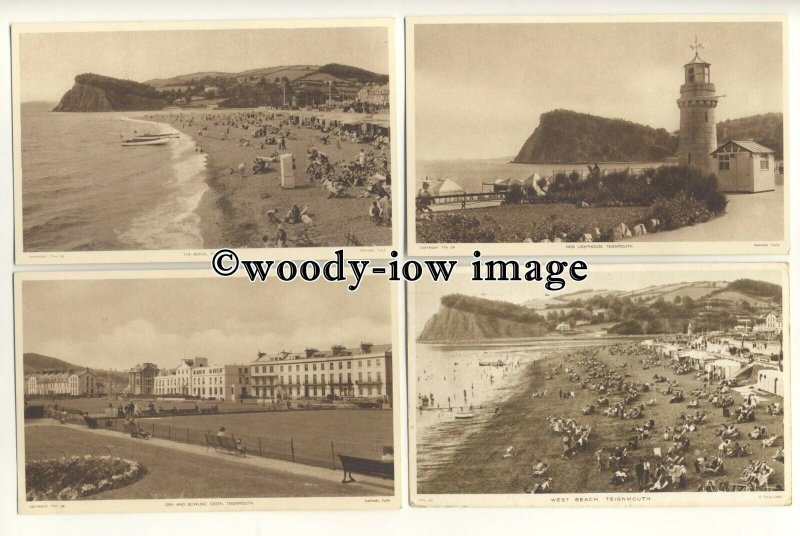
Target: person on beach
{"type": "Point", "coordinates": [281, 237]}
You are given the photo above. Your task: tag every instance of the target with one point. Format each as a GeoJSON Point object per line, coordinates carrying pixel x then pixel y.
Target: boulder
{"type": "Point", "coordinates": [639, 230]}
{"type": "Point", "coordinates": [587, 237]}
{"type": "Point", "coordinates": [620, 231]}
{"type": "Point", "coordinates": [653, 224]}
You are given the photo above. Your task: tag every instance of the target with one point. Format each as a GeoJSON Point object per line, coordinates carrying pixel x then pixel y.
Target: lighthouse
{"type": "Point", "coordinates": [698, 132]}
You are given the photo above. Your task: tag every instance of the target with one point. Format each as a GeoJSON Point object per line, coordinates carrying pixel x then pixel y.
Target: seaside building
{"type": "Point", "coordinates": [338, 373]}
{"type": "Point", "coordinates": [141, 379]}
{"type": "Point", "coordinates": [745, 166]}
{"type": "Point", "coordinates": [563, 326]}
{"type": "Point", "coordinates": [178, 381]}
{"type": "Point", "coordinates": [195, 377]}
{"type": "Point", "coordinates": [376, 95]}
{"type": "Point", "coordinates": [58, 382]}
{"type": "Point", "coordinates": [698, 129]}
{"type": "Point", "coordinates": [771, 323]}
{"type": "Point", "coordinates": [221, 382]}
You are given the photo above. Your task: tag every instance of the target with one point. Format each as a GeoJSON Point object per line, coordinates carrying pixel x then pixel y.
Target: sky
{"type": "Point", "coordinates": [427, 294]}
{"type": "Point", "coordinates": [114, 324]}
{"type": "Point", "coordinates": [49, 62]}
{"type": "Point", "coordinates": [480, 88]}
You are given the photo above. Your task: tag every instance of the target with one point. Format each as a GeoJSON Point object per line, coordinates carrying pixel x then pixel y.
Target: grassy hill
{"type": "Point", "coordinates": [35, 362]}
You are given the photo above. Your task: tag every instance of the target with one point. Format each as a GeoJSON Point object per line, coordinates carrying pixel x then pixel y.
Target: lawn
{"type": "Point", "coordinates": [343, 425]}
{"type": "Point", "coordinates": [97, 406]}
{"type": "Point", "coordinates": [477, 464]}
{"type": "Point", "coordinates": [177, 474]}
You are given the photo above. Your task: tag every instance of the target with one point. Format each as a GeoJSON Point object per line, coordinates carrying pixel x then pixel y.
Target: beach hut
{"type": "Point", "coordinates": [723, 368]}
{"type": "Point", "coordinates": [745, 166]}
{"type": "Point", "coordinates": [699, 358]}
{"type": "Point", "coordinates": [447, 187]}
{"type": "Point", "coordinates": [770, 381]}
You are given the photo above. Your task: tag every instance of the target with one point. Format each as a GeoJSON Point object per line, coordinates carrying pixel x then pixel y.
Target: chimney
{"type": "Point", "coordinates": [311, 351]}
{"type": "Point", "coordinates": [337, 350]}
{"type": "Point", "coordinates": [366, 347]}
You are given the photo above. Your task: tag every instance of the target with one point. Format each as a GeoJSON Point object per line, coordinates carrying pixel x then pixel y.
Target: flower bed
{"type": "Point", "coordinates": [60, 479]}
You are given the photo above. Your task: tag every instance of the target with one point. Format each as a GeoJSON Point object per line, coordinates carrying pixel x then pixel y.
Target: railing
{"type": "Point", "coordinates": [319, 453]}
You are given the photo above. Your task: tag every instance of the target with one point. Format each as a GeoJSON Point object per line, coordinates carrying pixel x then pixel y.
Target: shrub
{"type": "Point", "coordinates": [680, 211]}
{"type": "Point", "coordinates": [515, 195]}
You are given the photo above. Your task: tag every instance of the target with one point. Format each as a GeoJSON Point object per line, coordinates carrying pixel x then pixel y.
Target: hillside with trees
{"type": "Point", "coordinates": [766, 129]}
{"type": "Point", "coordinates": [567, 136]}
{"type": "Point", "coordinates": [95, 93]}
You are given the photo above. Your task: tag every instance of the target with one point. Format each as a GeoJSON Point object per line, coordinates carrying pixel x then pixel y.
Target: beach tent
{"type": "Point", "coordinates": [447, 187]}
{"type": "Point", "coordinates": [534, 182]}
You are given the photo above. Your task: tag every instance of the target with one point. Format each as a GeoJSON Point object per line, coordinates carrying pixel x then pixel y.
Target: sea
{"type": "Point", "coordinates": [478, 175]}
{"type": "Point", "coordinates": [83, 191]}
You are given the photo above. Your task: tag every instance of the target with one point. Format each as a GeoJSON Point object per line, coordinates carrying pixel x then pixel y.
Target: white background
{"type": "Point", "coordinates": [553, 521]}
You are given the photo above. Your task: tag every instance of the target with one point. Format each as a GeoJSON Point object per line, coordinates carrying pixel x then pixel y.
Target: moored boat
{"type": "Point", "coordinates": [131, 142]}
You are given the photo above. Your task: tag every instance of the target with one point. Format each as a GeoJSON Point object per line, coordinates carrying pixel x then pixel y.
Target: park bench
{"type": "Point", "coordinates": [225, 443]}
{"type": "Point", "coordinates": [230, 444]}
{"type": "Point", "coordinates": [136, 432]}
{"type": "Point", "coordinates": [91, 422]}
{"type": "Point", "coordinates": [365, 466]}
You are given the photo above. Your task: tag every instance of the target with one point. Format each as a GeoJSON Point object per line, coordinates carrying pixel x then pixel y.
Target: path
{"type": "Point", "coordinates": [748, 218]}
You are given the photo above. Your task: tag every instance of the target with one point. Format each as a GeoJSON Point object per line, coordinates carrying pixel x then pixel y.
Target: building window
{"type": "Point", "coordinates": [359, 377]}
{"type": "Point", "coordinates": [340, 365]}
{"type": "Point", "coordinates": [706, 117]}
{"type": "Point", "coordinates": [314, 366]}
{"type": "Point", "coordinates": [764, 163]}
{"type": "Point", "coordinates": [349, 365]}
{"type": "Point", "coordinates": [360, 364]}
{"type": "Point", "coordinates": [724, 162]}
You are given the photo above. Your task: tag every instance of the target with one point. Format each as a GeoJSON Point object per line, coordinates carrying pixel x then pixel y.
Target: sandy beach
{"type": "Point", "coordinates": [233, 211]}
{"type": "Point", "coordinates": [474, 458]}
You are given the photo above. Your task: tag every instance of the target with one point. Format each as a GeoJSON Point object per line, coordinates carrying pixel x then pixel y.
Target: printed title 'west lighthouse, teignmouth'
{"type": "Point", "coordinates": [698, 132]}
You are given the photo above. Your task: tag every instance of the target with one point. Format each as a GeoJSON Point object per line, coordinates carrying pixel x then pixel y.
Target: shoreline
{"type": "Point", "coordinates": [234, 209]}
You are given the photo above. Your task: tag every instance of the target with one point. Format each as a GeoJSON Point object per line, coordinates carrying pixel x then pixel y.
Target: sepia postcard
{"type": "Point", "coordinates": [597, 135]}
{"type": "Point", "coordinates": [162, 142]}
{"type": "Point", "coordinates": [644, 385]}
{"type": "Point", "coordinates": [200, 393]}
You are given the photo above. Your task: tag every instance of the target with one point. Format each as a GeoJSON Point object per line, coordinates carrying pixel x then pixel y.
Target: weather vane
{"type": "Point", "coordinates": [696, 47]}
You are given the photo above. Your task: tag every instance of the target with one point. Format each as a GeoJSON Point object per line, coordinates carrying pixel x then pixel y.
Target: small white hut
{"type": "Point", "coordinates": [745, 166]}
{"type": "Point", "coordinates": [770, 381]}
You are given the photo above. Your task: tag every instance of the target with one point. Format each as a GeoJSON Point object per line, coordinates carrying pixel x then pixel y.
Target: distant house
{"type": "Point", "coordinates": [211, 91]}
{"type": "Point", "coordinates": [745, 166]}
{"type": "Point", "coordinates": [563, 326]}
